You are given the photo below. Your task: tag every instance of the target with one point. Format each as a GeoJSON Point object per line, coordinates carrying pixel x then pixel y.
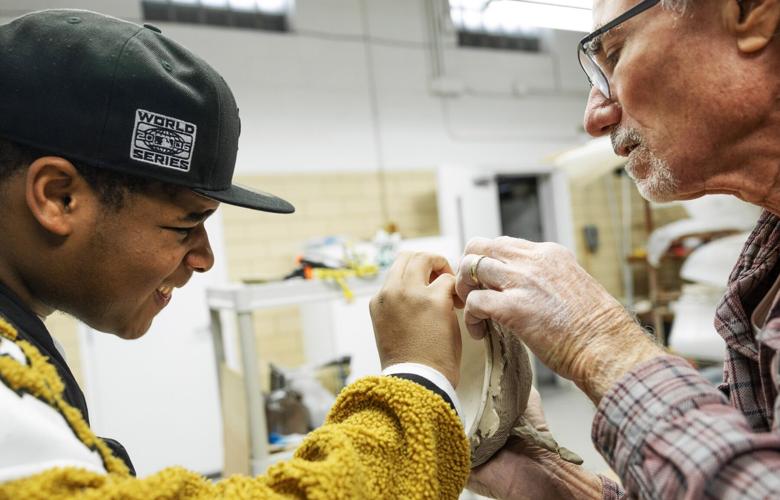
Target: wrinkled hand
{"type": "Point", "coordinates": [520, 470]}
{"type": "Point", "coordinates": [569, 321]}
{"type": "Point", "coordinates": [414, 317]}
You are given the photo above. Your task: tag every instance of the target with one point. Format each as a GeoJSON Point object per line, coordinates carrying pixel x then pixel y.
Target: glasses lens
{"type": "Point", "coordinates": [595, 75]}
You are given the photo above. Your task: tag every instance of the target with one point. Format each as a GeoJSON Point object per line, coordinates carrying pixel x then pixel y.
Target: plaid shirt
{"type": "Point", "coordinates": [670, 434]}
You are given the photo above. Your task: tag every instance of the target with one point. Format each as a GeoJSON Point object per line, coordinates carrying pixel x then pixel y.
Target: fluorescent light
{"type": "Point", "coordinates": [249, 5]}
{"type": "Point", "coordinates": [457, 17]}
{"type": "Point", "coordinates": [265, 6]}
{"type": "Point", "coordinates": [519, 14]}
{"type": "Point", "coordinates": [472, 20]}
{"type": "Point", "coordinates": [580, 4]}
{"type": "Point", "coordinates": [512, 16]}
{"type": "Point", "coordinates": [470, 4]}
{"type": "Point", "coordinates": [274, 6]}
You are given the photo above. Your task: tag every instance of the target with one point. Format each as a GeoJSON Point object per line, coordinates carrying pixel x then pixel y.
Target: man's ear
{"type": "Point", "coordinates": [56, 194]}
{"type": "Point", "coordinates": [753, 22]}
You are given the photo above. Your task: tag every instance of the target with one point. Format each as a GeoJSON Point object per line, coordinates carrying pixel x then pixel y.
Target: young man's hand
{"type": "Point", "coordinates": [413, 315]}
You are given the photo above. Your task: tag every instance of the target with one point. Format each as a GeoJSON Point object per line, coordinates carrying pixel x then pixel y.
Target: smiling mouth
{"type": "Point", "coordinates": [164, 294]}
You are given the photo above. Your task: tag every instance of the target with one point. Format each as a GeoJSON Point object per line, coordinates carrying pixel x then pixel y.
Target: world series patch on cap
{"type": "Point", "coordinates": [116, 95]}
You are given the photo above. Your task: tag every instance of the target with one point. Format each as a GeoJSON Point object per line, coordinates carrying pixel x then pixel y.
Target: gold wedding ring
{"type": "Point", "coordinates": [474, 269]}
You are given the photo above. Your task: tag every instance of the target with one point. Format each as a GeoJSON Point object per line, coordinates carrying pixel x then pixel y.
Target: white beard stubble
{"type": "Point", "coordinates": [658, 183]}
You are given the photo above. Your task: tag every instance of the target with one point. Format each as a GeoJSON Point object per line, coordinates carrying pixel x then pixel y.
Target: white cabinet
{"type": "Point", "coordinates": [333, 328]}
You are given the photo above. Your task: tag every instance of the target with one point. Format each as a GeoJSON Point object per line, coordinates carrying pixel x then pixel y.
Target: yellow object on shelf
{"type": "Point", "coordinates": [339, 276]}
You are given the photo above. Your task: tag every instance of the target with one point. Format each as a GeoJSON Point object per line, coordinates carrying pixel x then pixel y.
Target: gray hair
{"type": "Point", "coordinates": [678, 6]}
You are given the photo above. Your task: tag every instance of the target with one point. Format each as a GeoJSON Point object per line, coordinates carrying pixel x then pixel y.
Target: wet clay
{"type": "Point", "coordinates": [494, 387]}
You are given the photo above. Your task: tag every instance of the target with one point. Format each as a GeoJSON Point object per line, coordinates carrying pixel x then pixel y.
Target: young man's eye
{"type": "Point", "coordinates": [182, 231]}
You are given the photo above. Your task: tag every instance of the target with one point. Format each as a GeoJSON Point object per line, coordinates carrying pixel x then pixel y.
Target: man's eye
{"type": "Point", "coordinates": [612, 58]}
{"type": "Point", "coordinates": [183, 231]}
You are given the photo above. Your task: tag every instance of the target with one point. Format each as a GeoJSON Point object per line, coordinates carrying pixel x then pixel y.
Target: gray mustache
{"type": "Point", "coordinates": [622, 136]}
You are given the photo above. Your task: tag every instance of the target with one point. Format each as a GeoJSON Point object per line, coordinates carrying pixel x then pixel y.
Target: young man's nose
{"type": "Point", "coordinates": [200, 259]}
{"type": "Point", "coordinates": [601, 114]}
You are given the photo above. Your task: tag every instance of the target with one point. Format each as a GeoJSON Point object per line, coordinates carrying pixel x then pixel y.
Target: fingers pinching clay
{"type": "Point", "coordinates": [495, 384]}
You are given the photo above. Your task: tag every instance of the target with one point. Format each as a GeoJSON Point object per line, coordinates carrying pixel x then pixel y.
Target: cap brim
{"type": "Point", "coordinates": [249, 198]}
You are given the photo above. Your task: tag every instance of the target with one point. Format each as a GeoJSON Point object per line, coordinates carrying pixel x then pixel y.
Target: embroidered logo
{"type": "Point", "coordinates": [163, 141]}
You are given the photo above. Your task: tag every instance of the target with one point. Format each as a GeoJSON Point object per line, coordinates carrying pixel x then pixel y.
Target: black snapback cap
{"type": "Point", "coordinates": [124, 97]}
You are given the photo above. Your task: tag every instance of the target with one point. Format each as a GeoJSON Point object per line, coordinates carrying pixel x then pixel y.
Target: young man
{"type": "Point", "coordinates": [689, 92]}
{"type": "Point", "coordinates": [115, 145]}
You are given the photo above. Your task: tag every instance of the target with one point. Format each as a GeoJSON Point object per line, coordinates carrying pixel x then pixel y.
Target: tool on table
{"type": "Point", "coordinates": [339, 276]}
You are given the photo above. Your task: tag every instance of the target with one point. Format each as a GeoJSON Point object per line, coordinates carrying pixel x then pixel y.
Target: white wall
{"type": "Point", "coordinates": [305, 97]}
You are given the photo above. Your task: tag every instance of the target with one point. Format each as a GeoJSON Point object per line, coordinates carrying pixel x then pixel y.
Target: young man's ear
{"type": "Point", "coordinates": [754, 22]}
{"type": "Point", "coordinates": [56, 194]}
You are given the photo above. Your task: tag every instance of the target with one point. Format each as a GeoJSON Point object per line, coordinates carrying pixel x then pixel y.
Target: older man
{"type": "Point", "coordinates": [689, 93]}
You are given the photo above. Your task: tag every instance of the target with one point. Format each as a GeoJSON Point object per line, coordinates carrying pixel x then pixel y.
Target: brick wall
{"type": "Point", "coordinates": [264, 246]}
{"type": "Point", "coordinates": [590, 206]}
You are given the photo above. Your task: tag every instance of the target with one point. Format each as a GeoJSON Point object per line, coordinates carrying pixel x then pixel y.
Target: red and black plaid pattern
{"type": "Point", "coordinates": [670, 434]}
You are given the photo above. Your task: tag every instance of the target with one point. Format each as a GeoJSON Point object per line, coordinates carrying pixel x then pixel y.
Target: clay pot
{"type": "Point", "coordinates": [495, 382]}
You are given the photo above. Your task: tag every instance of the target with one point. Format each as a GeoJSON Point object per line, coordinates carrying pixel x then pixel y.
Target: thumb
{"type": "Point", "coordinates": [444, 285]}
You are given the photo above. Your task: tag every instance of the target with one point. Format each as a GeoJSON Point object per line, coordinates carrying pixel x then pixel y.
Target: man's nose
{"type": "Point", "coordinates": [200, 259]}
{"type": "Point", "coordinates": [601, 114]}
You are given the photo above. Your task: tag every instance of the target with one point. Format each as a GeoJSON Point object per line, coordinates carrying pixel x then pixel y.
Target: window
{"type": "Point", "coordinates": [269, 15]}
{"type": "Point", "coordinates": [514, 24]}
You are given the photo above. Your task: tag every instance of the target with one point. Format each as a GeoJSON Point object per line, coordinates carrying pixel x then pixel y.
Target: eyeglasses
{"type": "Point", "coordinates": [590, 45]}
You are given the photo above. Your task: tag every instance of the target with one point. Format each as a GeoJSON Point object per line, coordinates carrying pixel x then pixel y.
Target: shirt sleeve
{"type": "Point", "coordinates": [432, 375]}
{"type": "Point", "coordinates": [610, 490]}
{"type": "Point", "coordinates": [384, 438]}
{"type": "Point", "coordinates": [669, 433]}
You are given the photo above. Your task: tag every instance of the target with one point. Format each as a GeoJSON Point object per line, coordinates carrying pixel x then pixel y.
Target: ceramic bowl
{"type": "Point", "coordinates": [495, 381]}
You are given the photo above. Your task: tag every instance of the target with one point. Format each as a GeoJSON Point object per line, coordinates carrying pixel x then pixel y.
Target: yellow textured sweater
{"type": "Point", "coordinates": [384, 438]}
